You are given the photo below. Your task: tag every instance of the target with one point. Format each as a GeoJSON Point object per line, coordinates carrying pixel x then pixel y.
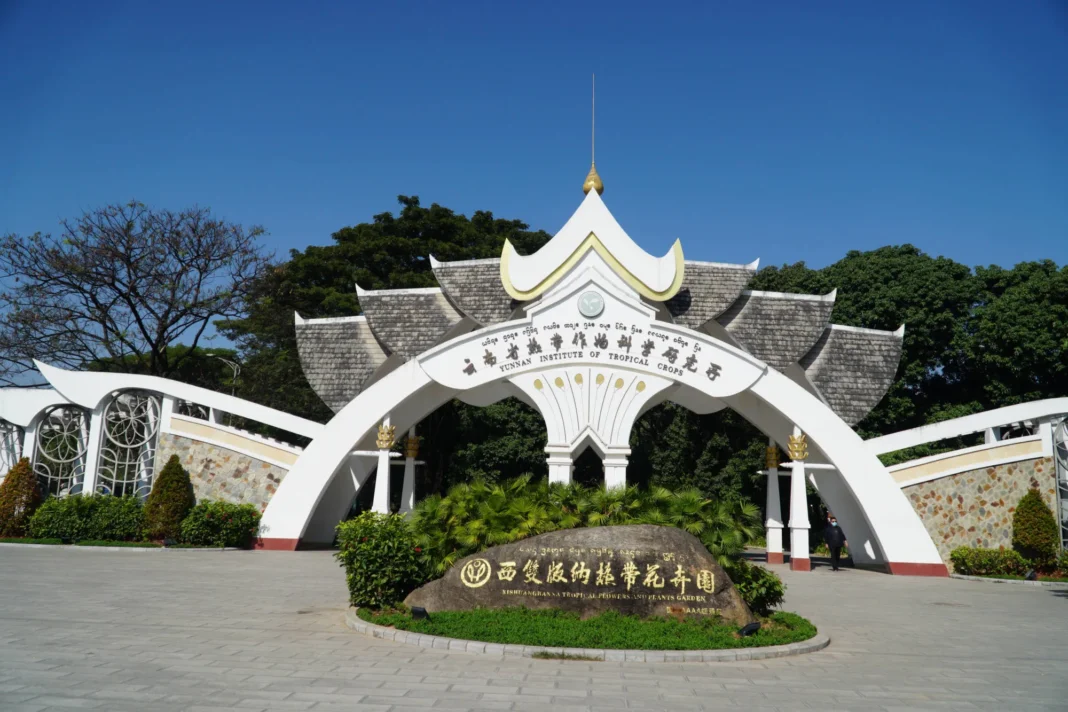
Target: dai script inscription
{"type": "Point", "coordinates": [637, 570]}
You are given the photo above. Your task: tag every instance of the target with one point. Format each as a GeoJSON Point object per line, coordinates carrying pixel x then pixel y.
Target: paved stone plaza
{"type": "Point", "coordinates": [263, 630]}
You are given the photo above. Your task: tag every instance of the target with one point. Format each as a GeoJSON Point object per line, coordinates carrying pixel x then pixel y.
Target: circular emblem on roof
{"type": "Point", "coordinates": [590, 304]}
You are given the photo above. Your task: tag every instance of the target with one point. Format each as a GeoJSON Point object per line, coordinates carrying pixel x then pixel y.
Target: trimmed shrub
{"type": "Point", "coordinates": [988, 562]}
{"type": "Point", "coordinates": [382, 560]}
{"type": "Point", "coordinates": [169, 502]}
{"type": "Point", "coordinates": [1035, 532]}
{"type": "Point", "coordinates": [19, 499]}
{"type": "Point", "coordinates": [86, 517]}
{"type": "Point", "coordinates": [760, 588]}
{"type": "Point", "coordinates": [221, 524]}
{"type": "Point", "coordinates": [1062, 563]}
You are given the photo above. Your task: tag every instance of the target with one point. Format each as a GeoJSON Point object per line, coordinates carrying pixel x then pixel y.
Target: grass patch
{"type": "Point", "coordinates": [1016, 577]}
{"type": "Point", "coordinates": [565, 656]}
{"type": "Point", "coordinates": [560, 629]}
{"type": "Point", "coordinates": [123, 544]}
{"type": "Point", "coordinates": [18, 540]}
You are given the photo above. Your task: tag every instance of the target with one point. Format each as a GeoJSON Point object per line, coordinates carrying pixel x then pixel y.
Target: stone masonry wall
{"type": "Point", "coordinates": [221, 474]}
{"type": "Point", "coordinates": [975, 508]}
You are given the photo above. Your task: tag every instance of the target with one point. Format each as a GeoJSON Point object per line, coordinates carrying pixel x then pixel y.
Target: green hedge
{"type": "Point", "coordinates": [88, 517]}
{"type": "Point", "coordinates": [522, 626]}
{"type": "Point", "coordinates": [382, 561]}
{"type": "Point", "coordinates": [988, 562]}
{"type": "Point", "coordinates": [221, 524]}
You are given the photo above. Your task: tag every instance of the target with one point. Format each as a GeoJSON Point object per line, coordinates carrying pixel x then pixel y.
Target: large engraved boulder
{"type": "Point", "coordinates": [639, 570]}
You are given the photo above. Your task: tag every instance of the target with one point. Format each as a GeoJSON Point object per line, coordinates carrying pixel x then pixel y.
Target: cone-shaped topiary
{"type": "Point", "coordinates": [169, 502]}
{"type": "Point", "coordinates": [19, 499]}
{"type": "Point", "coordinates": [1035, 533]}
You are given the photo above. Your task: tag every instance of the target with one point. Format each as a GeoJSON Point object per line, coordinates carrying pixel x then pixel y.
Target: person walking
{"type": "Point", "coordinates": [835, 538]}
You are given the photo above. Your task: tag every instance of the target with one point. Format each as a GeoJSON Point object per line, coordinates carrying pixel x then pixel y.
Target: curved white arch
{"type": "Point", "coordinates": [21, 405]}
{"type": "Point", "coordinates": [862, 492]}
{"type": "Point", "coordinates": [89, 390]}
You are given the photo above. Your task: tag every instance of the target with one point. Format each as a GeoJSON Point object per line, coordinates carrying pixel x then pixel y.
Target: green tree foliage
{"type": "Point", "coordinates": [169, 502]}
{"type": "Point", "coordinates": [19, 499]}
{"type": "Point", "coordinates": [1035, 533]}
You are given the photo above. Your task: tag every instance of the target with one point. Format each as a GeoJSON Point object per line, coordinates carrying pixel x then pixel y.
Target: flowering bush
{"type": "Point", "coordinates": [383, 563]}
{"type": "Point", "coordinates": [221, 524]}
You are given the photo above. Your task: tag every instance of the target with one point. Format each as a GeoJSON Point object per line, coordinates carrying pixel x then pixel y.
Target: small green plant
{"type": "Point", "coordinates": [86, 517]}
{"type": "Point", "coordinates": [169, 502]}
{"type": "Point", "coordinates": [1035, 532]}
{"type": "Point", "coordinates": [221, 524]}
{"type": "Point", "coordinates": [760, 588]}
{"type": "Point", "coordinates": [1062, 563]}
{"type": "Point", "coordinates": [382, 561]}
{"type": "Point", "coordinates": [987, 562]}
{"type": "Point", "coordinates": [19, 499]}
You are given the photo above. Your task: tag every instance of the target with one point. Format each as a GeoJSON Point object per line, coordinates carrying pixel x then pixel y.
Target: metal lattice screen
{"type": "Point", "coordinates": [128, 448]}
{"type": "Point", "coordinates": [1060, 453]}
{"type": "Point", "coordinates": [11, 437]}
{"type": "Point", "coordinates": [59, 458]}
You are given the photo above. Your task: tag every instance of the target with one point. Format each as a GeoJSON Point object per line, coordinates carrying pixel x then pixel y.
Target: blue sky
{"type": "Point", "coordinates": [781, 130]}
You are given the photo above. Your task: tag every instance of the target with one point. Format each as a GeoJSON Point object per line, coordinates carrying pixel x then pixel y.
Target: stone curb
{"type": "Point", "coordinates": [819, 642]}
{"type": "Point", "coordinates": [113, 548]}
{"type": "Point", "coordinates": [1041, 584]}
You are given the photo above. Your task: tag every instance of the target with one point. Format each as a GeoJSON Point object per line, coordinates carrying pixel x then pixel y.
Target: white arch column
{"type": "Point", "coordinates": [411, 451]}
{"type": "Point", "coordinates": [384, 443]}
{"type": "Point", "coordinates": [773, 509]}
{"type": "Point", "coordinates": [799, 522]}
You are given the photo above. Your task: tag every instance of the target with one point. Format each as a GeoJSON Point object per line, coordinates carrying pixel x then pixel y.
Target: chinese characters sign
{"type": "Point", "coordinates": [640, 570]}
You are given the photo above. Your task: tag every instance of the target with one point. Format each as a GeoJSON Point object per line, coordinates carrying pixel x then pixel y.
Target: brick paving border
{"type": "Point", "coordinates": [818, 642]}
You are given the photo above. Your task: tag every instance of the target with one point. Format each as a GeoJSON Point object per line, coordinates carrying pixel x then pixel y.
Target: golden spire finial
{"type": "Point", "coordinates": [593, 181]}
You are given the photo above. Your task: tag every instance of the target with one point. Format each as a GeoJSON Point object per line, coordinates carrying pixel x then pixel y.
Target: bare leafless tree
{"type": "Point", "coordinates": [121, 284]}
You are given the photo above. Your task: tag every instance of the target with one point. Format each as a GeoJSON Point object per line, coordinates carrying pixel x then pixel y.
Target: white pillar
{"type": "Point", "coordinates": [94, 437]}
{"type": "Point", "coordinates": [773, 522]}
{"type": "Point", "coordinates": [384, 442]}
{"type": "Point", "coordinates": [411, 451]}
{"type": "Point", "coordinates": [560, 464]}
{"type": "Point", "coordinates": [29, 440]}
{"type": "Point", "coordinates": [615, 470]}
{"type": "Point", "coordinates": [799, 524]}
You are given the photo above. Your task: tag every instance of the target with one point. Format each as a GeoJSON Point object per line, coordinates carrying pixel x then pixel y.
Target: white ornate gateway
{"type": "Point", "coordinates": [593, 331]}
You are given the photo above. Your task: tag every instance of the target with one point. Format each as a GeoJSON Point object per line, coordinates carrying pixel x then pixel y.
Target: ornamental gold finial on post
{"type": "Point", "coordinates": [798, 447]}
{"type": "Point", "coordinates": [593, 180]}
{"type": "Point", "coordinates": [771, 457]}
{"type": "Point", "coordinates": [411, 446]}
{"type": "Point", "coordinates": [385, 436]}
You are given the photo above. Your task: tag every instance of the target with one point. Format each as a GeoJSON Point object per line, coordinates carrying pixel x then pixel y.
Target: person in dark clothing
{"type": "Point", "coordinates": [835, 538]}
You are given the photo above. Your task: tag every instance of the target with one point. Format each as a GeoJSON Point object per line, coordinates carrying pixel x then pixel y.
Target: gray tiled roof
{"type": "Point", "coordinates": [775, 327]}
{"type": "Point", "coordinates": [708, 288]}
{"type": "Point", "coordinates": [474, 287]}
{"type": "Point", "coordinates": [853, 368]}
{"type": "Point", "coordinates": [407, 322]}
{"type": "Point", "coordinates": [338, 356]}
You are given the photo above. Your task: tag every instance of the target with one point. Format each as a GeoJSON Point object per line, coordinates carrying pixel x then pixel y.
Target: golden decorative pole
{"type": "Point", "coordinates": [593, 180]}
